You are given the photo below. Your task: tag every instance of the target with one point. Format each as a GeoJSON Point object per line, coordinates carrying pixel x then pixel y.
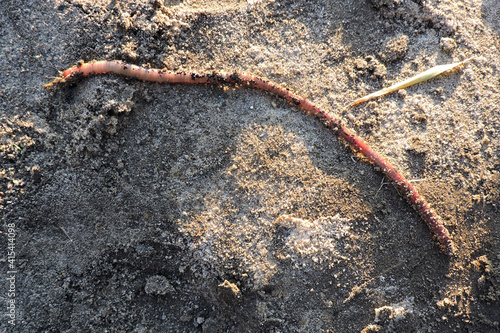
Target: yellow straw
{"type": "Point", "coordinates": [427, 75]}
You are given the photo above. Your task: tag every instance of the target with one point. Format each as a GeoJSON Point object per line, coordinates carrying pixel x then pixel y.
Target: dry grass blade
{"type": "Point", "coordinates": [427, 75]}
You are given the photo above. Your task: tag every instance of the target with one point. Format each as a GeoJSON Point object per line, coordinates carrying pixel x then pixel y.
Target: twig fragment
{"type": "Point", "coordinates": [427, 75]}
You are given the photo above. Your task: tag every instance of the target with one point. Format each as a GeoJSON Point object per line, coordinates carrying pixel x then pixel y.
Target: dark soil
{"type": "Point", "coordinates": [140, 207]}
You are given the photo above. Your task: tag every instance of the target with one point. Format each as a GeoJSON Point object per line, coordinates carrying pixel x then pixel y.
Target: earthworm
{"type": "Point", "coordinates": [433, 221]}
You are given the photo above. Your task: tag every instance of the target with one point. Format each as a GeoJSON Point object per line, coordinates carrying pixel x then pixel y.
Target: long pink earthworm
{"type": "Point", "coordinates": [156, 75]}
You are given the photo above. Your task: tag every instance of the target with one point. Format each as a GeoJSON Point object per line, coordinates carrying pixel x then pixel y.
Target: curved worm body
{"type": "Point", "coordinates": [156, 75]}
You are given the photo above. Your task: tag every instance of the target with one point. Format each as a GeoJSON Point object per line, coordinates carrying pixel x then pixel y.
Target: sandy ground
{"type": "Point", "coordinates": [141, 207]}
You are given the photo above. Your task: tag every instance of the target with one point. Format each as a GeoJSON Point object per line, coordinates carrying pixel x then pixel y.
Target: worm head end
{"type": "Point", "coordinates": [55, 82]}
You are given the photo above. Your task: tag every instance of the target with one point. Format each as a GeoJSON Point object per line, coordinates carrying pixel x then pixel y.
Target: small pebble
{"type": "Point", "coordinates": [447, 44]}
{"type": "Point", "coordinates": [158, 285]}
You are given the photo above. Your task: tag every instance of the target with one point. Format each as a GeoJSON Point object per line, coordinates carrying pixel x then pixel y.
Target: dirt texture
{"type": "Point", "coordinates": [132, 206]}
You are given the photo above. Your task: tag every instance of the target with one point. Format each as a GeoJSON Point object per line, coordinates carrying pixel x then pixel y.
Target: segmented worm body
{"type": "Point", "coordinates": [402, 184]}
